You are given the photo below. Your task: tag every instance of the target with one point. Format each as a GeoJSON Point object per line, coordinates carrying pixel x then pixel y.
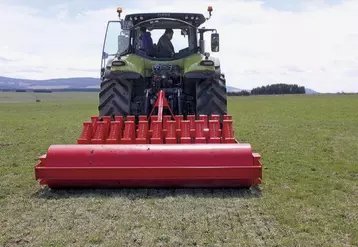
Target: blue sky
{"type": "Point", "coordinates": [311, 42]}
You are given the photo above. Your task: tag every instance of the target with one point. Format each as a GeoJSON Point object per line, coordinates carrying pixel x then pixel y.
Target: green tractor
{"type": "Point", "coordinates": [132, 75]}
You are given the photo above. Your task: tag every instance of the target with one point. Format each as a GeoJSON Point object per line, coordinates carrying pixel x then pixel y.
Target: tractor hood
{"type": "Point", "coordinates": [135, 64]}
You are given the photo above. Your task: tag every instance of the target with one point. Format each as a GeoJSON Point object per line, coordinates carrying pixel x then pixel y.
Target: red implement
{"type": "Point", "coordinates": [158, 151]}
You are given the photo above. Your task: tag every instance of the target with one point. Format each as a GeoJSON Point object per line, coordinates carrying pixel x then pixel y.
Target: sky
{"type": "Point", "coordinates": [312, 43]}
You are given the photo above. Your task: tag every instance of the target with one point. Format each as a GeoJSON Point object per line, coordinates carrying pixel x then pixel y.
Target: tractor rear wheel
{"type": "Point", "coordinates": [211, 96]}
{"type": "Point", "coordinates": [115, 98]}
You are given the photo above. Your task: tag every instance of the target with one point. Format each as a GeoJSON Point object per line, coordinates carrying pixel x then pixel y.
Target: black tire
{"type": "Point", "coordinates": [211, 96]}
{"type": "Point", "coordinates": [115, 98]}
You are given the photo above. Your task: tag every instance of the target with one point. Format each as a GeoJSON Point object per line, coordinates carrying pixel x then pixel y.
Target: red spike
{"type": "Point", "coordinates": [121, 120]}
{"type": "Point", "coordinates": [205, 118]}
{"type": "Point", "coordinates": [118, 118]}
{"type": "Point", "coordinates": [130, 118]}
{"type": "Point", "coordinates": [153, 118]}
{"type": "Point", "coordinates": [199, 131]}
{"type": "Point", "coordinates": [228, 132]}
{"type": "Point", "coordinates": [142, 118]}
{"type": "Point", "coordinates": [107, 118]}
{"type": "Point", "coordinates": [115, 133]}
{"type": "Point", "coordinates": [166, 118]}
{"type": "Point", "coordinates": [214, 133]}
{"type": "Point", "coordinates": [142, 132]}
{"type": "Point", "coordinates": [129, 132]}
{"type": "Point", "coordinates": [156, 128]}
{"type": "Point", "coordinates": [191, 118]}
{"type": "Point", "coordinates": [94, 120]}
{"type": "Point", "coordinates": [102, 128]}
{"type": "Point", "coordinates": [178, 120]}
{"type": "Point", "coordinates": [215, 117]}
{"type": "Point", "coordinates": [171, 134]}
{"type": "Point", "coordinates": [185, 131]}
{"type": "Point", "coordinates": [86, 134]}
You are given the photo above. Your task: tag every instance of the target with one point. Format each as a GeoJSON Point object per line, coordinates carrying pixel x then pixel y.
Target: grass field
{"type": "Point", "coordinates": [309, 195]}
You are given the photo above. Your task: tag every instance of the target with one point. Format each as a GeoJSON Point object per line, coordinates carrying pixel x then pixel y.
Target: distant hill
{"type": "Point", "coordinates": [77, 82]}
{"type": "Point", "coordinates": [310, 91]}
{"type": "Point", "coordinates": [73, 83]}
{"type": "Point", "coordinates": [233, 89]}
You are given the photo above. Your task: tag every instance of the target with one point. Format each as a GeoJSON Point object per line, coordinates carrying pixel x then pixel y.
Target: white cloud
{"type": "Point", "coordinates": [316, 47]}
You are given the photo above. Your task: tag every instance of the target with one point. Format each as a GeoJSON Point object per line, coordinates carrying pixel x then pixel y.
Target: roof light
{"type": "Point", "coordinates": [119, 10]}
{"type": "Point", "coordinates": [210, 8]}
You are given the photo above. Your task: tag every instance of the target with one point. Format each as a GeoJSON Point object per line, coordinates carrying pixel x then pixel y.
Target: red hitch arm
{"type": "Point", "coordinates": [160, 103]}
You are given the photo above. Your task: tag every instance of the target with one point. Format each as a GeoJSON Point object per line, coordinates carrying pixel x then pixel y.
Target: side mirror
{"type": "Point", "coordinates": [215, 42]}
{"type": "Point", "coordinates": [123, 42]}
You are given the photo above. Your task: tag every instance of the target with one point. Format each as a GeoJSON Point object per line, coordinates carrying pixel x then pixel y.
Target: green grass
{"type": "Point", "coordinates": [309, 195]}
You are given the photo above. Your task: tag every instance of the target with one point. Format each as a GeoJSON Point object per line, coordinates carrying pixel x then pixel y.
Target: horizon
{"type": "Point", "coordinates": [68, 78]}
{"type": "Point", "coordinates": [308, 43]}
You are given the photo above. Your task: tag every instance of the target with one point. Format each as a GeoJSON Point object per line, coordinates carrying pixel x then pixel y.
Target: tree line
{"type": "Point", "coordinates": [279, 88]}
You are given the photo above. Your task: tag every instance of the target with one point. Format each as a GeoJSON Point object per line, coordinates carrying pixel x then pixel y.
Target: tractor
{"type": "Point", "coordinates": [162, 114]}
{"type": "Point", "coordinates": [132, 75]}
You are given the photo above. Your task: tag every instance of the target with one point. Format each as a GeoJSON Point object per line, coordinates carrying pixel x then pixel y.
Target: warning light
{"type": "Point", "coordinates": [210, 8]}
{"type": "Point", "coordinates": [119, 11]}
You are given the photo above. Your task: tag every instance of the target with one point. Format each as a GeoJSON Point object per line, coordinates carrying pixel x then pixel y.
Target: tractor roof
{"type": "Point", "coordinates": [195, 19]}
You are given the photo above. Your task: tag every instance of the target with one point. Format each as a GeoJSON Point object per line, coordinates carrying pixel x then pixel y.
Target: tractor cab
{"type": "Point", "coordinates": [140, 33]}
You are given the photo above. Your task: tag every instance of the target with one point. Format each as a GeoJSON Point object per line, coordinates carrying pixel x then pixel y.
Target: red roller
{"type": "Point", "coordinates": [149, 165]}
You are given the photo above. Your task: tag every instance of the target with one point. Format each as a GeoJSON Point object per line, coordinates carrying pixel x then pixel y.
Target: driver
{"type": "Point", "coordinates": [165, 46]}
